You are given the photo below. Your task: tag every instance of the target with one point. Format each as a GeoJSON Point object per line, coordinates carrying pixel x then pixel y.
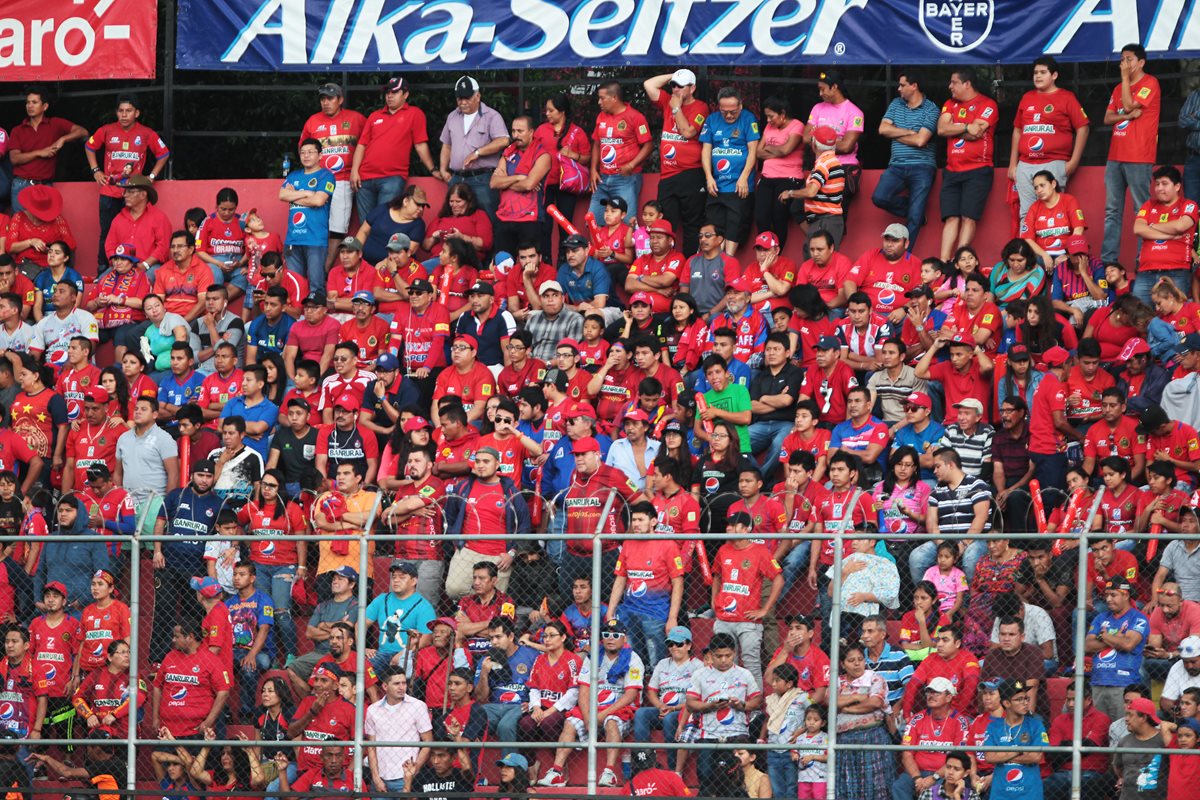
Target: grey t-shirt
{"type": "Point", "coordinates": [142, 461]}
{"type": "Point", "coordinates": [706, 280]}
{"type": "Point", "coordinates": [334, 611]}
{"type": "Point", "coordinates": [1129, 765]}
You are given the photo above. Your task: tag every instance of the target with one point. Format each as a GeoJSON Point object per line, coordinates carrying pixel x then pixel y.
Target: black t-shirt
{"type": "Point", "coordinates": [11, 515]}
{"type": "Point", "coordinates": [718, 491]}
{"type": "Point", "coordinates": [764, 383]}
{"type": "Point", "coordinates": [429, 784]}
{"type": "Point", "coordinates": [297, 457]}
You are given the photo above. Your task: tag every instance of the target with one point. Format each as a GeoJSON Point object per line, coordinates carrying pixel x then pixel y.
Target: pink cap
{"type": "Point", "coordinates": [417, 424]}
{"type": "Point", "coordinates": [637, 415]}
{"type": "Point", "coordinates": [639, 297]}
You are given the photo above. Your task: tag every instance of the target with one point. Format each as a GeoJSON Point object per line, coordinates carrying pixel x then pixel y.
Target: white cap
{"type": "Point", "coordinates": [684, 77]}
{"type": "Point", "coordinates": [941, 684]}
{"type": "Point", "coordinates": [895, 231]}
{"type": "Point", "coordinates": [550, 286]}
{"type": "Point", "coordinates": [1190, 647]}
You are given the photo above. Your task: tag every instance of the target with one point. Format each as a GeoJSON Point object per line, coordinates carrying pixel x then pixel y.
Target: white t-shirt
{"type": "Point", "coordinates": [1178, 680]}
{"type": "Point", "coordinates": [1038, 628]}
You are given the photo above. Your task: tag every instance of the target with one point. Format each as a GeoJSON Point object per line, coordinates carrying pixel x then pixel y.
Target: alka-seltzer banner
{"type": "Point", "coordinates": [371, 35]}
{"type": "Point", "coordinates": [52, 40]}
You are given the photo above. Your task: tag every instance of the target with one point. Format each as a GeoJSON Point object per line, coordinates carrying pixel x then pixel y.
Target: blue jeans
{"type": "Point", "coordinates": [646, 720]}
{"type": "Point", "coordinates": [248, 679]}
{"type": "Point", "coordinates": [376, 192]}
{"type": "Point", "coordinates": [1191, 176]}
{"type": "Point", "coordinates": [904, 787]}
{"type": "Point", "coordinates": [17, 185]}
{"type": "Point", "coordinates": [279, 577]}
{"type": "Point", "coordinates": [394, 788]}
{"type": "Point", "coordinates": [925, 556]}
{"type": "Point", "coordinates": [646, 635]}
{"type": "Point", "coordinates": [1145, 281]}
{"type": "Point", "coordinates": [309, 261]}
{"type": "Point", "coordinates": [502, 722]}
{"type": "Point", "coordinates": [783, 772]}
{"type": "Point", "coordinates": [1050, 469]}
{"type": "Point", "coordinates": [794, 563]}
{"type": "Point", "coordinates": [292, 772]}
{"type": "Point", "coordinates": [1119, 176]}
{"type": "Point", "coordinates": [768, 435]}
{"type": "Point", "coordinates": [485, 197]}
{"type": "Point", "coordinates": [628, 187]}
{"type": "Point", "coordinates": [902, 191]}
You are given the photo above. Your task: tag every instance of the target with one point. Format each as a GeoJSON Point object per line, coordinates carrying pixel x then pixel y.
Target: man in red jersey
{"type": "Point", "coordinates": [455, 442]}
{"type": "Point", "coordinates": [739, 570]}
{"type": "Point", "coordinates": [332, 775]}
{"type": "Point", "coordinates": [811, 663]}
{"type": "Point", "coordinates": [345, 442]}
{"type": "Point", "coordinates": [930, 734]}
{"type": "Point", "coordinates": [646, 357]}
{"type": "Point", "coordinates": [1133, 112]}
{"type": "Point", "coordinates": [827, 269]}
{"type": "Point", "coordinates": [614, 385]}
{"type": "Point", "coordinates": [125, 144]}
{"type": "Point", "coordinates": [484, 503]}
{"type": "Point", "coordinates": [485, 602]}
{"type": "Point", "coordinates": [681, 185]}
{"type": "Point", "coordinates": [966, 374]}
{"type": "Point", "coordinates": [417, 510]}
{"type": "Point", "coordinates": [1094, 767]}
{"type": "Point", "coordinates": [221, 385]}
{"type": "Point", "coordinates": [773, 275]}
{"type": "Point", "coordinates": [767, 513]}
{"type": "Point", "coordinates": [272, 273]}
{"type": "Point", "coordinates": [1172, 442]}
{"type": "Point", "coordinates": [1049, 429]}
{"type": "Point", "coordinates": [567, 360]}
{"type": "Point", "coordinates": [182, 280]}
{"type": "Point", "coordinates": [379, 169]}
{"type": "Point", "coordinates": [92, 440]}
{"type": "Point", "coordinates": [648, 590]}
{"type": "Point", "coordinates": [1050, 130]}
{"type": "Point", "coordinates": [343, 658]}
{"type": "Point", "coordinates": [830, 382]}
{"type": "Point", "coordinates": [657, 273]}
{"type": "Point", "coordinates": [1114, 434]}
{"type": "Point", "coordinates": [24, 685]}
{"type": "Point", "coordinates": [322, 716]}
{"type": "Point", "coordinates": [338, 130]}
{"type": "Point", "coordinates": [678, 510]}
{"type": "Point", "coordinates": [190, 687]}
{"type": "Point", "coordinates": [968, 123]}
{"type": "Point", "coordinates": [595, 489]}
{"type": "Point", "coordinates": [218, 627]}
{"type": "Point", "coordinates": [974, 316]}
{"type": "Point", "coordinates": [523, 279]}
{"type": "Point", "coordinates": [951, 662]}
{"type": "Point", "coordinates": [467, 379]}
{"type": "Point", "coordinates": [1166, 223]}
{"type": "Point", "coordinates": [53, 637]}
{"type": "Point", "coordinates": [886, 273]}
{"type": "Point", "coordinates": [348, 278]}
{"type": "Point", "coordinates": [78, 376]}
{"type": "Point", "coordinates": [522, 370]}
{"type": "Point", "coordinates": [418, 334]}
{"type": "Point", "coordinates": [367, 329]}
{"type": "Point", "coordinates": [512, 445]}
{"type": "Point", "coordinates": [621, 143]}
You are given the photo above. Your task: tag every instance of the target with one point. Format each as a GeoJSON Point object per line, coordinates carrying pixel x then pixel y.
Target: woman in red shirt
{"type": "Point", "coordinates": [568, 144]}
{"type": "Point", "coordinates": [460, 218]}
{"type": "Point", "coordinates": [140, 384]}
{"type": "Point", "coordinates": [1174, 307]}
{"type": "Point", "coordinates": [278, 557]}
{"type": "Point", "coordinates": [810, 321]}
{"type": "Point", "coordinates": [554, 683]}
{"type": "Point", "coordinates": [685, 334]}
{"type": "Point", "coordinates": [31, 230]}
{"type": "Point", "coordinates": [1043, 328]}
{"type": "Point", "coordinates": [1052, 218]}
{"type": "Point", "coordinates": [1113, 326]}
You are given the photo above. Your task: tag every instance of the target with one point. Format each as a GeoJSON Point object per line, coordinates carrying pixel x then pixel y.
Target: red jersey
{"type": "Point", "coordinates": [335, 385]}
{"type": "Point", "coordinates": [1136, 140]}
{"type": "Point", "coordinates": [554, 680]}
{"type": "Point", "coordinates": [930, 739]}
{"type": "Point", "coordinates": [1048, 122]}
{"type": "Point", "coordinates": [101, 627]}
{"type": "Point", "coordinates": [343, 284]}
{"type": "Point", "coordinates": [675, 152]}
{"type": "Point", "coordinates": [511, 381]}
{"type": "Point", "coordinates": [103, 692]}
{"type": "Point", "coordinates": [967, 154]}
{"type": "Point", "coordinates": [986, 318]}
{"type": "Point", "coordinates": [648, 566]}
{"type": "Point", "coordinates": [810, 332]}
{"type": "Point", "coordinates": [1051, 396]}
{"type": "Point", "coordinates": [513, 284]}
{"type": "Point", "coordinates": [20, 688]}
{"type": "Point", "coordinates": [432, 491]}
{"type": "Point", "coordinates": [388, 138]}
{"type": "Point", "coordinates": [224, 241]}
{"type": "Point", "coordinates": [650, 266]}
{"type": "Point", "coordinates": [977, 732]}
{"type": "Point", "coordinates": [115, 505]}
{"type": "Point", "coordinates": [783, 269]}
{"type": "Point", "coordinates": [255, 247]}
{"type": "Point", "coordinates": [54, 648]}
{"type": "Point", "coordinates": [13, 450]}
{"type": "Point", "coordinates": [275, 545]}
{"type": "Point", "coordinates": [34, 419]}
{"type": "Point", "coordinates": [884, 281]}
{"type": "Point", "coordinates": [832, 512]}
{"type": "Point", "coordinates": [812, 668]}
{"type": "Point", "coordinates": [338, 135]}
{"type": "Point", "coordinates": [314, 416]}
{"type": "Point", "coordinates": [371, 339]}
{"type": "Point", "coordinates": [577, 385]}
{"type": "Point", "coordinates": [73, 383]}
{"type": "Point", "coordinates": [829, 390]}
{"type": "Point", "coordinates": [453, 284]}
{"type": "Point", "coordinates": [671, 380]}
{"type": "Point", "coordinates": [593, 354]}
{"type": "Point", "coordinates": [962, 671]}
{"type": "Point", "coordinates": [1051, 227]}
{"type": "Point", "coordinates": [828, 279]}
{"type": "Point", "coordinates": [619, 136]}
{"type": "Point", "coordinates": [315, 778]}
{"type": "Point", "coordinates": [217, 389]}
{"type": "Point", "coordinates": [485, 513]}
{"type": "Point", "coordinates": [613, 239]}
{"type": "Point", "coordinates": [1186, 320]}
{"type": "Point", "coordinates": [501, 605]}
{"type": "Point", "coordinates": [1123, 565]}
{"type": "Point", "coordinates": [817, 443]}
{"type": "Point", "coordinates": [475, 386]}
{"type": "Point", "coordinates": [959, 386]}
{"type": "Point", "coordinates": [767, 512]}
{"type": "Point", "coordinates": [585, 500]}
{"type": "Point", "coordinates": [1181, 443]}
{"type": "Point", "coordinates": [1168, 253]}
{"type": "Point", "coordinates": [512, 454]}
{"type": "Point", "coordinates": [334, 722]}
{"type": "Point", "coordinates": [391, 282]}
{"type": "Point", "coordinates": [1121, 511]}
{"type": "Point", "coordinates": [805, 503]}
{"type": "Point", "coordinates": [1083, 396]}
{"type": "Point", "coordinates": [458, 450]}
{"type": "Point", "coordinates": [738, 574]}
{"type": "Point", "coordinates": [677, 514]}
{"type": "Point", "coordinates": [218, 633]}
{"type": "Point", "coordinates": [128, 284]}
{"type": "Point", "coordinates": [190, 685]}
{"type": "Point", "coordinates": [124, 152]}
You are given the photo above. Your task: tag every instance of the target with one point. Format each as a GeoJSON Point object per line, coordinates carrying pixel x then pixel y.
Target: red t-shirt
{"type": "Point", "coordinates": [805, 502]}
{"type": "Point", "coordinates": [832, 510]}
{"type": "Point", "coordinates": [458, 450]}
{"type": "Point", "coordinates": [679, 513]}
{"type": "Point", "coordinates": [931, 739]}
{"type": "Point", "coordinates": [54, 649]}
{"type": "Point", "coordinates": [1121, 511]}
{"type": "Point", "coordinates": [648, 265]}
{"type": "Point", "coordinates": [34, 420]}
{"type": "Point", "coordinates": [129, 284]}
{"type": "Point", "coordinates": [389, 138]}
{"type": "Point", "coordinates": [125, 149]}
{"type": "Point", "coordinates": [512, 454]}
{"type": "Point", "coordinates": [101, 627]}
{"type": "Point", "coordinates": [1051, 396]}
{"type": "Point", "coordinates": [1181, 443]}
{"type": "Point", "coordinates": [675, 153]}
{"type": "Point", "coordinates": [371, 339]}
{"type": "Point", "coordinates": [829, 390]}
{"type": "Point", "coordinates": [501, 605]}
{"type": "Point", "coordinates": [740, 573]}
{"type": "Point", "coordinates": [768, 514]}
{"type": "Point", "coordinates": [89, 446]}
{"type": "Point", "coordinates": [217, 390]}
{"type": "Point", "coordinates": [1186, 320]}
{"type": "Point", "coordinates": [513, 284]}
{"type": "Point", "coordinates": [485, 514]}
{"type": "Point", "coordinates": [419, 338]}
{"type": "Point", "coordinates": [585, 500]}
{"type": "Point", "coordinates": [554, 680]}
{"type": "Point", "coordinates": [783, 269]}
{"type": "Point", "coordinates": [453, 284]}
{"type": "Point", "coordinates": [225, 241]}
{"type": "Point", "coordinates": [335, 722]}
{"type": "Point", "coordinates": [1047, 122]}
{"type": "Point", "coordinates": [218, 633]}
{"type": "Point", "coordinates": [311, 340]}
{"type": "Point", "coordinates": [190, 684]}
{"type": "Point", "coordinates": [431, 491]}
{"type": "Point", "coordinates": [959, 386]}
{"type": "Point", "coordinates": [1051, 227]}
{"type": "Point", "coordinates": [338, 136]}
{"type": "Point", "coordinates": [1168, 253]}
{"type": "Point", "coordinates": [341, 283]}
{"type": "Point", "coordinates": [885, 282]}
{"type": "Point", "coordinates": [620, 137]}
{"type": "Point", "coordinates": [1123, 565]}
{"type": "Point", "coordinates": [1124, 440]}
{"type": "Point", "coordinates": [812, 668]}
{"type": "Point", "coordinates": [964, 154]}
{"type": "Point", "coordinates": [1086, 407]}
{"type": "Point", "coordinates": [810, 332]}
{"type": "Point", "coordinates": [475, 386]}
{"type": "Point", "coordinates": [828, 279]}
{"type": "Point", "coordinates": [1136, 140]}
{"type": "Point", "coordinates": [276, 547]}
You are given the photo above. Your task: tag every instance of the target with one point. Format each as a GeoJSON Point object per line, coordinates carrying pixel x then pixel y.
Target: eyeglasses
{"type": "Point", "coordinates": [611, 635]}
{"type": "Point", "coordinates": [459, 348]}
{"type": "Point", "coordinates": [550, 634]}
{"type": "Point", "coordinates": [1009, 411]}
{"type": "Point", "coordinates": [913, 408]}
{"type": "Point", "coordinates": [341, 359]}
{"type": "Point", "coordinates": [517, 346]}
{"type": "Point", "coordinates": [718, 436]}
{"type": "Point", "coordinates": [675, 644]}
{"type": "Point", "coordinates": [708, 236]}
{"type": "Point", "coordinates": [568, 354]}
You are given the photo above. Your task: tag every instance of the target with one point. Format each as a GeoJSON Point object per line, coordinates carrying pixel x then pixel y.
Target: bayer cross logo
{"type": "Point", "coordinates": [956, 27]}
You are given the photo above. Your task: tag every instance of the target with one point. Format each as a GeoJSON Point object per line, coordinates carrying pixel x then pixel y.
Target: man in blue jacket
{"type": "Point", "coordinates": [67, 560]}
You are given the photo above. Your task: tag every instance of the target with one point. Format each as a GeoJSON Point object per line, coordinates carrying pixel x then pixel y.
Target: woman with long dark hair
{"type": "Point", "coordinates": [1018, 275]}
{"type": "Point", "coordinates": [861, 707]}
{"type": "Point", "coordinates": [1043, 329]}
{"type": "Point", "coordinates": [277, 382]}
{"type": "Point", "coordinates": [232, 774]}
{"type": "Point", "coordinates": [277, 706]}
{"type": "Point", "coordinates": [810, 321]}
{"type": "Point", "coordinates": [719, 476]}
{"type": "Point", "coordinates": [781, 167]}
{"type": "Point", "coordinates": [902, 498]}
{"type": "Point", "coordinates": [278, 558]}
{"type": "Point", "coordinates": [684, 333]}
{"type": "Point", "coordinates": [60, 268]}
{"type": "Point", "coordinates": [457, 271]}
{"type": "Point", "coordinates": [572, 152]}
{"type": "Point", "coordinates": [112, 380]}
{"type": "Point", "coordinates": [460, 217]}
{"type": "Point", "coordinates": [1053, 217]}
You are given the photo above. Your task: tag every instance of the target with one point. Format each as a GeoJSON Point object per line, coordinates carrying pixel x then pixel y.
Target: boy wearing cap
{"type": "Point", "coordinates": [1021, 729]}
{"type": "Point", "coordinates": [657, 273]}
{"type": "Point", "coordinates": [52, 637]}
{"type": "Point", "coordinates": [491, 325]}
{"type": "Point", "coordinates": [1137, 777]}
{"type": "Point", "coordinates": [824, 194]}
{"type": "Point", "coordinates": [681, 187]}
{"type": "Point", "coordinates": [217, 624]}
{"type": "Point", "coordinates": [1116, 640]}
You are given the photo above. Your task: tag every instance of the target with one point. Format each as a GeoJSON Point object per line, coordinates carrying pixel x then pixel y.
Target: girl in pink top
{"type": "Point", "coordinates": [951, 582]}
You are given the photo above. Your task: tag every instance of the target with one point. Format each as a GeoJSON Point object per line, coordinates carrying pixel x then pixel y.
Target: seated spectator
{"type": "Point", "coordinates": [1172, 619]}
{"type": "Point", "coordinates": [116, 300]}
{"type": "Point", "coordinates": [502, 680]}
{"type": "Point", "coordinates": [1177, 556]}
{"type": "Point", "coordinates": [966, 374]}
{"type": "Point", "coordinates": [1039, 628]}
{"type": "Point", "coordinates": [479, 609]}
{"type": "Point", "coordinates": [749, 327]}
{"type": "Point", "coordinates": [939, 727]}
{"type": "Point", "coordinates": [861, 433]}
{"type": "Point", "coordinates": [951, 661]}
{"type": "Point", "coordinates": [439, 774]}
{"type": "Point", "coordinates": [959, 504]}
{"type": "Point", "coordinates": [402, 617]}
{"type": "Point", "coordinates": [103, 697]}
{"type": "Point", "coordinates": [1018, 726]}
{"type": "Point", "coordinates": [971, 438]}
{"type": "Point", "coordinates": [1183, 675]}
{"type": "Point", "coordinates": [1018, 660]}
{"type": "Point", "coordinates": [666, 691]}
{"type": "Point", "coordinates": [658, 272]}
{"type": "Point", "coordinates": [553, 687]}
{"type": "Point", "coordinates": [920, 626]}
{"type": "Point", "coordinates": [1104, 563]}
{"type": "Point", "coordinates": [831, 381]}
{"type": "Point", "coordinates": [1094, 767]}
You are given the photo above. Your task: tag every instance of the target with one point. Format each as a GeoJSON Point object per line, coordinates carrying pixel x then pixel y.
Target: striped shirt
{"type": "Point", "coordinates": [862, 343]}
{"type": "Point", "coordinates": [913, 119]}
{"type": "Point", "coordinates": [830, 175]}
{"type": "Point", "coordinates": [956, 506]}
{"type": "Point", "coordinates": [894, 666]}
{"type": "Point", "coordinates": [547, 333]}
{"type": "Point", "coordinates": [893, 393]}
{"type": "Point", "coordinates": [974, 450]}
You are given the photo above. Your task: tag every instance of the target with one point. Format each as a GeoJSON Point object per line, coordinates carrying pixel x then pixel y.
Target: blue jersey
{"type": "Point", "coordinates": [180, 394]}
{"type": "Point", "coordinates": [906, 436]}
{"type": "Point", "coordinates": [45, 283]}
{"type": "Point", "coordinates": [528, 465]}
{"type": "Point", "coordinates": [730, 147]}
{"type": "Point", "coordinates": [263, 411]}
{"type": "Point", "coordinates": [190, 516]}
{"type": "Point", "coordinates": [268, 337]}
{"type": "Point", "coordinates": [739, 372]}
{"type": "Point", "coordinates": [581, 626]}
{"type": "Point", "coordinates": [1110, 666]}
{"type": "Point", "coordinates": [309, 226]}
{"type": "Point", "coordinates": [1022, 781]}
{"type": "Point", "coordinates": [246, 615]}
{"type": "Point", "coordinates": [510, 684]}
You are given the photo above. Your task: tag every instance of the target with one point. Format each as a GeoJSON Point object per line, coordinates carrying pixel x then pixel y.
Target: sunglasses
{"type": "Point", "coordinates": [611, 635]}
{"type": "Point", "coordinates": [1167, 592]}
{"type": "Point", "coordinates": [675, 644]}
{"type": "Point", "coordinates": [913, 408]}
{"type": "Point", "coordinates": [504, 420]}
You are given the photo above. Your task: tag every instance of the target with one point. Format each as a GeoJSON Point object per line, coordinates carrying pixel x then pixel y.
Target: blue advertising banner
{"type": "Point", "coordinates": [371, 35]}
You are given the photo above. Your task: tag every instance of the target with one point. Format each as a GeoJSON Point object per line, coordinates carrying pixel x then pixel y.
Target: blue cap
{"type": "Point", "coordinates": [347, 572]}
{"type": "Point", "coordinates": [363, 297]}
{"type": "Point", "coordinates": [514, 760]}
{"type": "Point", "coordinates": [1192, 723]}
{"type": "Point", "coordinates": [679, 634]}
{"type": "Point", "coordinates": [387, 361]}
{"type": "Point", "coordinates": [990, 686]}
{"type": "Point", "coordinates": [209, 587]}
{"type": "Point", "coordinates": [502, 260]}
{"type": "Point", "coordinates": [829, 343]}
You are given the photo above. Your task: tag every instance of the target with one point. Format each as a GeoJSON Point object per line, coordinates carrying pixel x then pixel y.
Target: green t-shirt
{"type": "Point", "coordinates": [732, 398]}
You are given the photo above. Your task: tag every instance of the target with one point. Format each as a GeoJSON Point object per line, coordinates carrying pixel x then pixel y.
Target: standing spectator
{"type": "Point", "coordinates": [337, 131]}
{"type": "Point", "coordinates": [125, 144]}
{"type": "Point", "coordinates": [147, 456]}
{"type": "Point", "coordinates": [836, 111]}
{"type": "Point", "coordinates": [1116, 641]}
{"type": "Point", "coordinates": [1133, 112]}
{"type": "Point", "coordinates": [65, 561]}
{"type": "Point", "coordinates": [382, 154]}
{"type": "Point", "coordinates": [519, 180]}
{"type": "Point", "coordinates": [870, 584]}
{"type": "Point", "coordinates": [191, 685]}
{"type": "Point", "coordinates": [738, 571]}
{"type": "Point", "coordinates": [568, 177]}
{"type": "Point", "coordinates": [309, 193]}
{"type": "Point", "coordinates": [911, 121]}
{"type": "Point", "coordinates": [723, 694]}
{"type": "Point", "coordinates": [34, 144]}
{"type": "Point", "coordinates": [1048, 425]}
{"type": "Point", "coordinates": [681, 184]}
{"type": "Point", "coordinates": [1138, 777]}
{"type": "Point", "coordinates": [781, 152]}
{"type": "Point", "coordinates": [729, 144]}
{"type": "Point", "coordinates": [253, 618]}
{"type": "Point", "coordinates": [970, 157]}
{"type": "Point", "coordinates": [141, 223]}
{"type": "Point", "coordinates": [1020, 727]}
{"type": "Point", "coordinates": [1167, 223]}
{"type": "Point", "coordinates": [1049, 132]}
{"type": "Point", "coordinates": [862, 707]}
{"type": "Point", "coordinates": [621, 143]}
{"type": "Point", "coordinates": [472, 139]}
{"type": "Point", "coordinates": [397, 717]}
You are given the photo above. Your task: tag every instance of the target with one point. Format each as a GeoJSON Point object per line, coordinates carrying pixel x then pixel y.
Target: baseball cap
{"type": "Point", "coordinates": [387, 362]}
{"type": "Point", "coordinates": [57, 586]}
{"type": "Point", "coordinates": [205, 465]}
{"type": "Point", "coordinates": [679, 634]}
{"type": "Point", "coordinates": [971, 403]}
{"type": "Point", "coordinates": [400, 565]}
{"type": "Point", "coordinates": [919, 399]}
{"type": "Point", "coordinates": [740, 518]}
{"type": "Point", "coordinates": [1057, 356]}
{"type": "Point", "coordinates": [417, 424]}
{"type": "Point", "coordinates": [941, 684]}
{"type": "Point", "coordinates": [673, 427]}
{"type": "Point", "coordinates": [963, 339]}
{"type": "Point", "coordinates": [1144, 705]}
{"type": "Point", "coordinates": [828, 343]}
{"type": "Point", "coordinates": [350, 243]}
{"type": "Point", "coordinates": [920, 291]}
{"type": "Point", "coordinates": [1118, 583]}
{"type": "Point", "coordinates": [637, 415]}
{"type": "Point", "coordinates": [96, 472]}
{"type": "Point", "coordinates": [684, 77]}
{"type": "Point", "coordinates": [96, 394]}
{"type": "Point", "coordinates": [105, 576]}
{"type": "Point", "coordinates": [1019, 352]}
{"type": "Point", "coordinates": [503, 261]}
{"type": "Point", "coordinates": [557, 378]}
{"type": "Point", "coordinates": [895, 231]}
{"type": "Point", "coordinates": [1134, 347]}
{"type": "Point", "coordinates": [742, 283]}
{"type": "Point", "coordinates": [571, 343]}
{"type": "Point", "coordinates": [299, 402]}
{"type": "Point", "coordinates": [488, 451]}
{"type": "Point", "coordinates": [206, 586]}
{"type": "Point", "coordinates": [1011, 688]}
{"type": "Point", "coordinates": [471, 341]}
{"type": "Point", "coordinates": [825, 135]}
{"type": "Point", "coordinates": [660, 226]}
{"type": "Point", "coordinates": [125, 250]}
{"type": "Point", "coordinates": [399, 242]}
{"type": "Point", "coordinates": [347, 400]}
{"type": "Point", "coordinates": [550, 286]}
{"type": "Point", "coordinates": [1191, 343]}
{"type": "Point", "coordinates": [581, 409]}
{"type": "Point", "coordinates": [587, 444]}
{"type": "Point", "coordinates": [1076, 245]}
{"type": "Point", "coordinates": [330, 90]}
{"type": "Point", "coordinates": [514, 760]}
{"type": "Point", "coordinates": [398, 83]}
{"type": "Point", "coordinates": [1190, 647]}
{"type": "Point", "coordinates": [449, 621]}
{"type": "Point", "coordinates": [1153, 418]}
{"type": "Point", "coordinates": [421, 286]}
{"type": "Point", "coordinates": [465, 87]}
{"type": "Point", "coordinates": [640, 297]}
{"type": "Point", "coordinates": [482, 287]}
{"type": "Point", "coordinates": [989, 686]}
{"type": "Point", "coordinates": [617, 203]}
{"type": "Point", "coordinates": [613, 626]}
{"type": "Point", "coordinates": [363, 297]}
{"type": "Point", "coordinates": [348, 572]}
{"type": "Point", "coordinates": [766, 240]}
{"type": "Point", "coordinates": [316, 298]}
{"type": "Point", "coordinates": [574, 242]}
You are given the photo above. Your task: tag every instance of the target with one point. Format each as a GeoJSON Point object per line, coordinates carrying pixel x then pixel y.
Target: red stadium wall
{"type": "Point", "coordinates": [866, 221]}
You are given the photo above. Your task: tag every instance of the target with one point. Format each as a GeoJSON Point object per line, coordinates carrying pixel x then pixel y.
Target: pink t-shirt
{"type": "Point", "coordinates": [842, 117]}
{"type": "Point", "coordinates": [791, 165]}
{"type": "Point", "coordinates": [948, 586]}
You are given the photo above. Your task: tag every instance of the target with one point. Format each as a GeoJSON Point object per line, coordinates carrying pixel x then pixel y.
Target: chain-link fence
{"type": "Point", "coordinates": [273, 655]}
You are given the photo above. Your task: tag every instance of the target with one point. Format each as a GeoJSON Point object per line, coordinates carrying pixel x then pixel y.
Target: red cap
{"type": "Point", "coordinates": [1077, 245]}
{"type": "Point", "coordinates": [347, 400]}
{"type": "Point", "coordinates": [766, 239]}
{"type": "Point", "coordinates": [1134, 347]}
{"type": "Point", "coordinates": [1144, 705]}
{"type": "Point", "coordinates": [582, 409]}
{"type": "Point", "coordinates": [55, 586]}
{"type": "Point", "coordinates": [742, 283]}
{"type": "Point", "coordinates": [919, 399]}
{"type": "Point", "coordinates": [825, 135]}
{"type": "Point", "coordinates": [469, 339]}
{"type": "Point", "coordinates": [417, 424]}
{"type": "Point", "coordinates": [1055, 357]}
{"type": "Point", "coordinates": [97, 394]}
{"type": "Point", "coordinates": [572, 343]}
{"type": "Point", "coordinates": [587, 444]}
{"type": "Point", "coordinates": [637, 415]}
{"type": "Point", "coordinates": [661, 226]}
{"type": "Point", "coordinates": [962, 338]}
{"type": "Point", "coordinates": [640, 297]}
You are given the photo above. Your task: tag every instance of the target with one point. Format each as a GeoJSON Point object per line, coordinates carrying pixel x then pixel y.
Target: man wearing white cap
{"type": "Point", "coordinates": [1184, 674]}
{"type": "Point", "coordinates": [472, 139]}
{"type": "Point", "coordinates": [553, 322]}
{"type": "Point", "coordinates": [681, 184]}
{"type": "Point", "coordinates": [929, 735]}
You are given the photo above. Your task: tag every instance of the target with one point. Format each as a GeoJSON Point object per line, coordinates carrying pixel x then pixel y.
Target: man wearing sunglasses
{"type": "Point", "coordinates": [272, 273]}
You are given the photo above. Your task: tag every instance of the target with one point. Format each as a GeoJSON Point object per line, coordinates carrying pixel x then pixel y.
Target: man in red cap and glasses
{"type": "Point", "coordinates": [344, 442]}
{"type": "Point", "coordinates": [657, 272]}
{"type": "Point", "coordinates": [467, 379]}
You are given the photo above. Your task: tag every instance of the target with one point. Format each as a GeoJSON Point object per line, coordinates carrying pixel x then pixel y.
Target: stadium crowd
{"type": "Point", "coordinates": [449, 373]}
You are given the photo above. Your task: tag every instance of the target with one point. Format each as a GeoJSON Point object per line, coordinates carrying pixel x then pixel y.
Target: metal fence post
{"type": "Point", "coordinates": [135, 589]}
{"type": "Point", "coordinates": [360, 640]}
{"type": "Point", "coordinates": [1080, 635]}
{"type": "Point", "coordinates": [594, 657]}
{"type": "Point", "coordinates": [835, 646]}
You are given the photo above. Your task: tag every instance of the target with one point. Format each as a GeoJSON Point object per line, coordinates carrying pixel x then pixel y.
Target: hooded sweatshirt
{"type": "Point", "coordinates": [70, 561]}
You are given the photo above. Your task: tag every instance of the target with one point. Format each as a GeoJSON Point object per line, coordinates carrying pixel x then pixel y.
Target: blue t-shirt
{"type": "Point", "coordinates": [268, 337]}
{"type": "Point", "coordinates": [45, 282]}
{"type": "Point", "coordinates": [309, 226]}
{"type": "Point", "coordinates": [931, 436]}
{"type": "Point", "coordinates": [512, 686]}
{"type": "Point", "coordinates": [1022, 781]}
{"type": "Point", "coordinates": [595, 280]}
{"type": "Point", "coordinates": [190, 516]}
{"type": "Point", "coordinates": [263, 411]}
{"type": "Point", "coordinates": [395, 618]}
{"type": "Point", "coordinates": [730, 147]}
{"type": "Point", "coordinates": [1112, 667]}
{"type": "Point", "coordinates": [246, 615]}
{"type": "Point", "coordinates": [739, 370]}
{"type": "Point", "coordinates": [913, 119]}
{"type": "Point", "coordinates": [528, 465]}
{"type": "Point", "coordinates": [849, 438]}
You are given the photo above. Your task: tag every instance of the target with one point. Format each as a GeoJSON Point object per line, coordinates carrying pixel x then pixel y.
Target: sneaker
{"type": "Point", "coordinates": [608, 778]}
{"type": "Point", "coordinates": [553, 777]}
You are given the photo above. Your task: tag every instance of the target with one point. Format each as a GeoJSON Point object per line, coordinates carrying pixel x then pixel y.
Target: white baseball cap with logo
{"type": "Point", "coordinates": [684, 77]}
{"type": "Point", "coordinates": [1190, 647]}
{"type": "Point", "coordinates": [941, 684]}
